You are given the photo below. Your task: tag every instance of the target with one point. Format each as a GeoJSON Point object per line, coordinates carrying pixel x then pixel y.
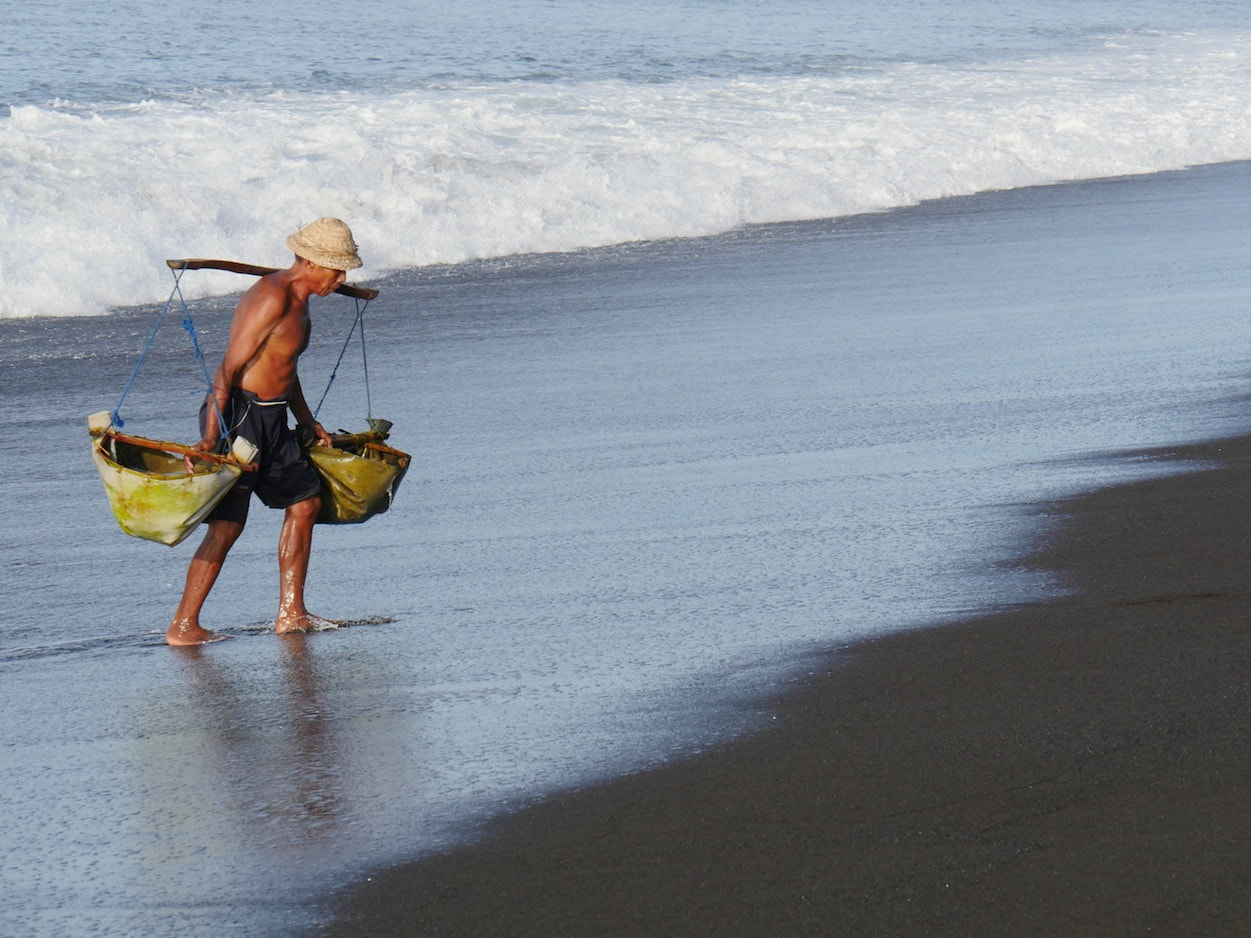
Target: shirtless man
{"type": "Point", "coordinates": [253, 389]}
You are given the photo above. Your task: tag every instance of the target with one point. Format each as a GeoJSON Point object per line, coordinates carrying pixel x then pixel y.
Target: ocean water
{"type": "Point", "coordinates": [452, 131]}
{"type": "Point", "coordinates": [687, 402]}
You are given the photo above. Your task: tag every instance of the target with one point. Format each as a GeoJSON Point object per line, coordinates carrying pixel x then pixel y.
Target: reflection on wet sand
{"type": "Point", "coordinates": [257, 769]}
{"type": "Point", "coordinates": [317, 791]}
{"type": "Point", "coordinates": [264, 752]}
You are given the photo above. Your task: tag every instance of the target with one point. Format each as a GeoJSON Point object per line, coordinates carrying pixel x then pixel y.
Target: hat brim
{"type": "Point", "coordinates": [331, 260]}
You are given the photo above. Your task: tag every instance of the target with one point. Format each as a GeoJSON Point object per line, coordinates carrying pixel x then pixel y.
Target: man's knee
{"type": "Point", "coordinates": [306, 509]}
{"type": "Point", "coordinates": [218, 539]}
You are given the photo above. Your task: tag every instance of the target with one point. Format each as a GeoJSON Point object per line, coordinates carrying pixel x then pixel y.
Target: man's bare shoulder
{"type": "Point", "coordinates": [270, 297]}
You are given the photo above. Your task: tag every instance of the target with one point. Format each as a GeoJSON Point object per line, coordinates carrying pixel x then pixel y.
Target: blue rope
{"type": "Point", "coordinates": [359, 320]}
{"type": "Point", "coordinates": [369, 407]}
{"type": "Point", "coordinates": [195, 344]}
{"type": "Point", "coordinates": [188, 325]}
{"type": "Point", "coordinates": [116, 415]}
{"type": "Point", "coordinates": [223, 431]}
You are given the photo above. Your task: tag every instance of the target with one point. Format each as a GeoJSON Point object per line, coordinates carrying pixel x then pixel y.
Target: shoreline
{"type": "Point", "coordinates": [1076, 765]}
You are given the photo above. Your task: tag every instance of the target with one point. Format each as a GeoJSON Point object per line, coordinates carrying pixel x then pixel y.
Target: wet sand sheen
{"type": "Point", "coordinates": [1078, 766]}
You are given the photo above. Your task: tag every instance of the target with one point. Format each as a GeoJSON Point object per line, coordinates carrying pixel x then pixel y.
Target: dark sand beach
{"type": "Point", "coordinates": [1079, 766]}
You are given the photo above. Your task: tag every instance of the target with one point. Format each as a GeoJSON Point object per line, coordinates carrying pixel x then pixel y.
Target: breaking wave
{"type": "Point", "coordinates": [92, 199]}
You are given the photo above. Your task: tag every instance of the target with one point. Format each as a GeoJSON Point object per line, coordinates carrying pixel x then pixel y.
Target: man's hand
{"type": "Point", "coordinates": [323, 438]}
{"type": "Point", "coordinates": [206, 445]}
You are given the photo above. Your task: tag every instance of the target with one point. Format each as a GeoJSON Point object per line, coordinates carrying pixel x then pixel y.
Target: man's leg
{"type": "Point", "coordinates": [294, 545]}
{"type": "Point", "coordinates": [201, 575]}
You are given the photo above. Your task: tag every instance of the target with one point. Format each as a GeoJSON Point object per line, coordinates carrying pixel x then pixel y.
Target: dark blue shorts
{"type": "Point", "coordinates": [284, 475]}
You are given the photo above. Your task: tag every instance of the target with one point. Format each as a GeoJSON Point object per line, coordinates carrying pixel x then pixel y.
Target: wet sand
{"type": "Point", "coordinates": [1080, 766]}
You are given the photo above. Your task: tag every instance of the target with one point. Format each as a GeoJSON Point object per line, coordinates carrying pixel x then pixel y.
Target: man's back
{"type": "Point", "coordinates": [269, 331]}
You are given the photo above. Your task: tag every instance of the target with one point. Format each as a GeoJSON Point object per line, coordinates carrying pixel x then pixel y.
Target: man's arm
{"type": "Point", "coordinates": [258, 312]}
{"type": "Point", "coordinates": [304, 414]}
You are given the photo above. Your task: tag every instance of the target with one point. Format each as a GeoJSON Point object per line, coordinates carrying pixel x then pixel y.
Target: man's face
{"type": "Point", "coordinates": [328, 279]}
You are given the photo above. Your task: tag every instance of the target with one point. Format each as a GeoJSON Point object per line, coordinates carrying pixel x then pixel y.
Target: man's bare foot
{"type": "Point", "coordinates": [183, 634]}
{"type": "Point", "coordinates": [303, 624]}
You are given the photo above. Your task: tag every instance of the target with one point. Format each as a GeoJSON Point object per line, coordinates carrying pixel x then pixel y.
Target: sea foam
{"type": "Point", "coordinates": [93, 199]}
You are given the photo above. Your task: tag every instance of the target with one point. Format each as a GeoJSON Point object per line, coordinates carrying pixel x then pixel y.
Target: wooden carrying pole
{"type": "Point", "coordinates": [199, 263]}
{"type": "Point", "coordinates": [179, 450]}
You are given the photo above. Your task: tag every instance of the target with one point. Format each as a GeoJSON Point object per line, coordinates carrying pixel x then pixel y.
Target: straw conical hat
{"type": "Point", "coordinates": [326, 242]}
